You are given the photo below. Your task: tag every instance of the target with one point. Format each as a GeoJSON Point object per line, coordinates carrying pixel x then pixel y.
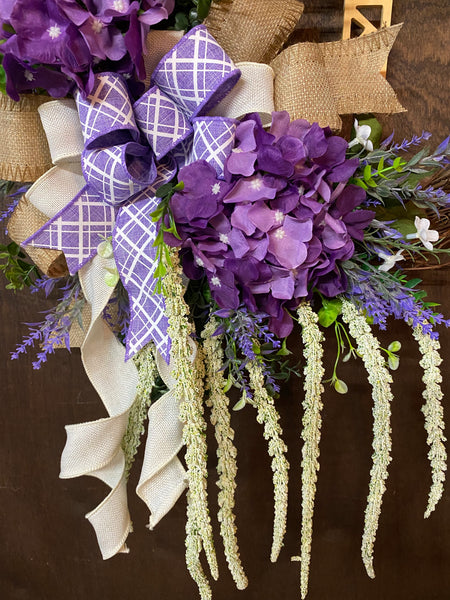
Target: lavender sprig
{"type": "Point", "coordinates": [54, 331]}
{"type": "Point", "coordinates": [248, 338]}
{"type": "Point", "coordinates": [416, 140]}
{"type": "Point", "coordinates": [382, 295]}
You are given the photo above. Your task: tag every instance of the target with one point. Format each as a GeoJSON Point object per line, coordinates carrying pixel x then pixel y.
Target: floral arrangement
{"type": "Point", "coordinates": [192, 247]}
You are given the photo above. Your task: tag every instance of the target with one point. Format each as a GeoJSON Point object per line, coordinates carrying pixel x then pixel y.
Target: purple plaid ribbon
{"type": "Point", "coordinates": [132, 149]}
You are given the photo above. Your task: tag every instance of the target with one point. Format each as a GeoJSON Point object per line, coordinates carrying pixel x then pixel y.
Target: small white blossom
{"type": "Point", "coordinates": [215, 189]}
{"type": "Point", "coordinates": [97, 26]}
{"type": "Point", "coordinates": [362, 136]}
{"type": "Point", "coordinates": [279, 216]}
{"type": "Point", "coordinates": [118, 5]}
{"type": "Point", "coordinates": [224, 238]}
{"type": "Point", "coordinates": [199, 262]}
{"type": "Point", "coordinates": [256, 184]}
{"type": "Point", "coordinates": [424, 233]}
{"type": "Point", "coordinates": [280, 233]}
{"type": "Point", "coordinates": [216, 281]}
{"type": "Point", "coordinates": [28, 75]}
{"type": "Point", "coordinates": [54, 31]}
{"type": "Point", "coordinates": [390, 260]}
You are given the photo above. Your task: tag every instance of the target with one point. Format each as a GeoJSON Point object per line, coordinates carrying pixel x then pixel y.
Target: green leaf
{"type": "Point", "coordinates": [412, 283]}
{"type": "Point", "coordinates": [228, 384]}
{"type": "Point", "coordinates": [240, 404]}
{"type": "Point", "coordinates": [393, 362]}
{"type": "Point", "coordinates": [181, 22]}
{"type": "Point", "coordinates": [394, 346]}
{"type": "Point", "coordinates": [367, 174]}
{"type": "Point", "coordinates": [162, 191]}
{"type": "Point", "coordinates": [340, 386]}
{"type": "Point", "coordinates": [404, 226]}
{"type": "Point", "coordinates": [283, 351]}
{"type": "Point", "coordinates": [203, 7]}
{"type": "Point", "coordinates": [105, 249]}
{"type": "Point", "coordinates": [112, 278]}
{"type": "Point", "coordinates": [361, 183]}
{"type": "Point", "coordinates": [2, 80]}
{"type": "Point", "coordinates": [398, 164]}
{"type": "Point", "coordinates": [329, 312]}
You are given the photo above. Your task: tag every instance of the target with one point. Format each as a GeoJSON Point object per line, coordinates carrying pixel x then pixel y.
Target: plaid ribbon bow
{"type": "Point", "coordinates": [129, 151]}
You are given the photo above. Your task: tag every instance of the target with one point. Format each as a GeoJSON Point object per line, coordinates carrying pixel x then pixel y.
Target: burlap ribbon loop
{"type": "Point", "coordinates": [316, 82]}
{"type": "Point", "coordinates": [319, 82]}
{"type": "Point", "coordinates": [163, 478]}
{"type": "Point", "coordinates": [25, 156]}
{"type": "Point", "coordinates": [253, 33]}
{"type": "Point", "coordinates": [95, 448]}
{"type": "Point", "coordinates": [26, 219]}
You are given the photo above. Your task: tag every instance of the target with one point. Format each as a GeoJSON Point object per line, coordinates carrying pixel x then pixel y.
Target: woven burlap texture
{"type": "Point", "coordinates": [25, 220]}
{"type": "Point", "coordinates": [252, 93]}
{"type": "Point", "coordinates": [318, 82]}
{"type": "Point", "coordinates": [253, 33]}
{"type": "Point", "coordinates": [25, 155]}
{"type": "Point", "coordinates": [158, 43]}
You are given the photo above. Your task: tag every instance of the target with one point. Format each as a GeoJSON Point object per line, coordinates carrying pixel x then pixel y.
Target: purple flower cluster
{"type": "Point", "coordinates": [280, 223]}
{"type": "Point", "coordinates": [51, 44]}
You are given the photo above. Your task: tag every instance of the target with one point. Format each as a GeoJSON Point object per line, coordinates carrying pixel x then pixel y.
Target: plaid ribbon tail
{"type": "Point", "coordinates": [77, 229]}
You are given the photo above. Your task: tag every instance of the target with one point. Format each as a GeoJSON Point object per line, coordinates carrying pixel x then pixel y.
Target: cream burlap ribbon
{"type": "Point", "coordinates": [95, 448]}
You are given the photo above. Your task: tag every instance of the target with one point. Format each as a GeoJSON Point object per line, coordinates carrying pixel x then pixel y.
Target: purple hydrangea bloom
{"type": "Point", "coordinates": [59, 43]}
{"type": "Point", "coordinates": [281, 223]}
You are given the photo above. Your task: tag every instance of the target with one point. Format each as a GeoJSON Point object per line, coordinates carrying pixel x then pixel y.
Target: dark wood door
{"type": "Point", "coordinates": [48, 550]}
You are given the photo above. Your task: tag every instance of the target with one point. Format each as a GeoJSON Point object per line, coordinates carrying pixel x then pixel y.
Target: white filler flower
{"type": "Point", "coordinates": [424, 233]}
{"type": "Point", "coordinates": [362, 136]}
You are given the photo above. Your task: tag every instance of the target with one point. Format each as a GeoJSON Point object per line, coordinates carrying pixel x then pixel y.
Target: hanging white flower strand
{"type": "Point", "coordinates": [380, 380]}
{"type": "Point", "coordinates": [226, 450]}
{"type": "Point", "coordinates": [269, 417]}
{"type": "Point", "coordinates": [189, 388]}
{"type": "Point", "coordinates": [434, 414]}
{"type": "Point", "coordinates": [312, 338]}
{"type": "Point", "coordinates": [147, 373]}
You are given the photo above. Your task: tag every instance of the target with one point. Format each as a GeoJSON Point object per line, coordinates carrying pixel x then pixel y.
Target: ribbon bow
{"type": "Point", "coordinates": [129, 151]}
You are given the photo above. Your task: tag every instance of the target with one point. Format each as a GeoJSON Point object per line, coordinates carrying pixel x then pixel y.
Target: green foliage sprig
{"type": "Point", "coordinates": [18, 271]}
{"type": "Point", "coordinates": [188, 14]}
{"type": "Point", "coordinates": [163, 215]}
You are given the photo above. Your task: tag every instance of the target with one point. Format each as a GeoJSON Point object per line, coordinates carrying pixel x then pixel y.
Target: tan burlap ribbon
{"type": "Point", "coordinates": [25, 220]}
{"type": "Point", "coordinates": [319, 82]}
{"type": "Point", "coordinates": [316, 82]}
{"type": "Point", "coordinates": [157, 44]}
{"type": "Point", "coordinates": [253, 31]}
{"type": "Point", "coordinates": [24, 154]}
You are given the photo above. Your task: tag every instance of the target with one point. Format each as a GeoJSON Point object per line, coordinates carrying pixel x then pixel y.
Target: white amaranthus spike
{"type": "Point", "coordinates": [312, 338]}
{"type": "Point", "coordinates": [226, 450]}
{"type": "Point", "coordinates": [189, 388]}
{"type": "Point", "coordinates": [269, 417]}
{"type": "Point", "coordinates": [434, 414]}
{"type": "Point", "coordinates": [380, 380]}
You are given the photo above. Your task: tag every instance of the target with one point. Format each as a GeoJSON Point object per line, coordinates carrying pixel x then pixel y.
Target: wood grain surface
{"type": "Point", "coordinates": [48, 550]}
